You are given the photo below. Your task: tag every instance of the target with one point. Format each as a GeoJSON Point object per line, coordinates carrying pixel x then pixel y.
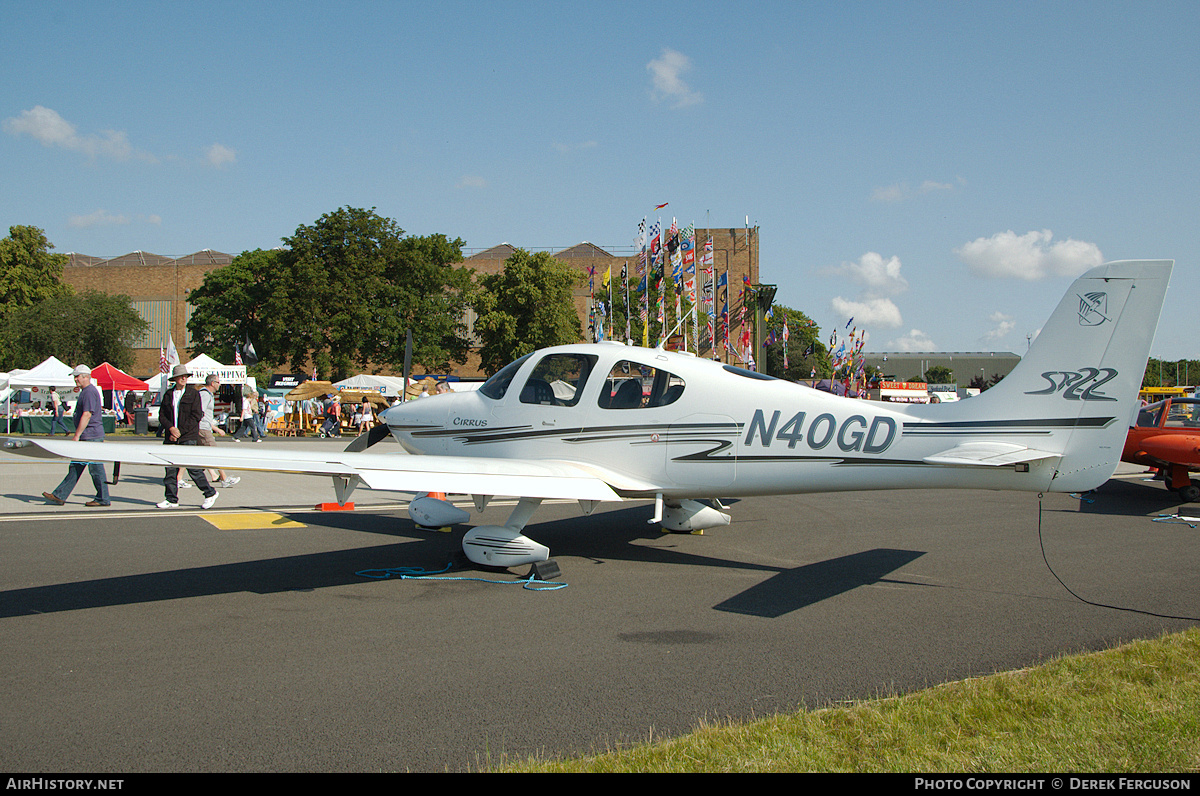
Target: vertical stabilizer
{"type": "Point", "coordinates": [1085, 368]}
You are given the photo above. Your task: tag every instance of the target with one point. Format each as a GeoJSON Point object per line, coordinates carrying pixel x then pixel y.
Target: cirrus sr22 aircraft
{"type": "Point", "coordinates": [609, 422]}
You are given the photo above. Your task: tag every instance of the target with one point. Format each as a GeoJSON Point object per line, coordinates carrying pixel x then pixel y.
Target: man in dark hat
{"type": "Point", "coordinates": [179, 415]}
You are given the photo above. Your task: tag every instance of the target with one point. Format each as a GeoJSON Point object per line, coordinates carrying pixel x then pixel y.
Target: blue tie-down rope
{"type": "Point", "coordinates": [1188, 521]}
{"type": "Point", "coordinates": [419, 573]}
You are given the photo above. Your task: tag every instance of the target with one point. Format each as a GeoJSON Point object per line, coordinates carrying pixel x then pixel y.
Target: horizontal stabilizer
{"type": "Point", "coordinates": [988, 454]}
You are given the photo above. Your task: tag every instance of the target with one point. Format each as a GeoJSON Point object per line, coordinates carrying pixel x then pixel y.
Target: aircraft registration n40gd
{"type": "Point", "coordinates": [606, 422]}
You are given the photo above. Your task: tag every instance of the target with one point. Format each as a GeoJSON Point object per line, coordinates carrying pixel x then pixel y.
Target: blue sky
{"type": "Point", "coordinates": [940, 171]}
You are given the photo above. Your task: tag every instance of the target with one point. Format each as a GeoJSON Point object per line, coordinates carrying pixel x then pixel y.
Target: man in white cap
{"type": "Point", "coordinates": [89, 427]}
{"type": "Point", "coordinates": [179, 415]}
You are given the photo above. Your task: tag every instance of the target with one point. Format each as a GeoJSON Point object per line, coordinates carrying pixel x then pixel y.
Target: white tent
{"type": "Point", "coordinates": [389, 386]}
{"type": "Point", "coordinates": [201, 368]}
{"type": "Point", "coordinates": [51, 373]}
{"type": "Point", "coordinates": [204, 366]}
{"type": "Point", "coordinates": [39, 380]}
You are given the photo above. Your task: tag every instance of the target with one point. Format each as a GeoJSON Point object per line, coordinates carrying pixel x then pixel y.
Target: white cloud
{"type": "Point", "coordinates": [103, 218]}
{"type": "Point", "coordinates": [665, 73]}
{"type": "Point", "coordinates": [877, 311]}
{"type": "Point", "coordinates": [1001, 325]}
{"type": "Point", "coordinates": [891, 193]}
{"type": "Point", "coordinates": [50, 129]}
{"type": "Point", "coordinates": [98, 218]}
{"type": "Point", "coordinates": [218, 155]}
{"type": "Point", "coordinates": [878, 277]}
{"type": "Point", "coordinates": [915, 340]}
{"type": "Point", "coordinates": [901, 191]}
{"type": "Point", "coordinates": [472, 181]}
{"type": "Point", "coordinates": [1031, 256]}
{"type": "Point", "coordinates": [930, 186]}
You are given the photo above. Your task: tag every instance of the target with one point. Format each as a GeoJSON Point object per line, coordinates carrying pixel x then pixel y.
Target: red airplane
{"type": "Point", "coordinates": [1167, 438]}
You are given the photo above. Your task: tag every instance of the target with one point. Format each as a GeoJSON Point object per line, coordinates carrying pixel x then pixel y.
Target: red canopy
{"type": "Point", "coordinates": [109, 378]}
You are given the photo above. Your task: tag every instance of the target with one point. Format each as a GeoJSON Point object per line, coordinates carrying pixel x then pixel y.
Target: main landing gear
{"type": "Point", "coordinates": [1177, 480]}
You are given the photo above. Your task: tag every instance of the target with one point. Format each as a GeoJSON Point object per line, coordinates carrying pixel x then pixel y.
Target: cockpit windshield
{"type": "Point", "coordinates": [497, 385]}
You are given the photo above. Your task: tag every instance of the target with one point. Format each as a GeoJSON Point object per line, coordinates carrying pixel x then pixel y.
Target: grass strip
{"type": "Point", "coordinates": [1133, 708]}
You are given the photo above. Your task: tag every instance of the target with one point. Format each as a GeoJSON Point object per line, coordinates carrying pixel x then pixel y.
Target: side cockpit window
{"type": "Point", "coordinates": [557, 380]}
{"type": "Point", "coordinates": [631, 385]}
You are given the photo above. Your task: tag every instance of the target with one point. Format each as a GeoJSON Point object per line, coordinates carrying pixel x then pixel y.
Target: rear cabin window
{"type": "Point", "coordinates": [558, 380]}
{"type": "Point", "coordinates": [631, 385]}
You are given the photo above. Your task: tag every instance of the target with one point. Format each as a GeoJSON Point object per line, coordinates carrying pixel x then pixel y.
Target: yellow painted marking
{"type": "Point", "coordinates": [250, 521]}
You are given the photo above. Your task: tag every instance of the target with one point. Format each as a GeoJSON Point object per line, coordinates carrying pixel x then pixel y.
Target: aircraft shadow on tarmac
{"type": "Point", "coordinates": [1134, 497]}
{"type": "Point", "coordinates": [786, 590]}
{"type": "Point", "coordinates": [793, 589]}
{"type": "Point", "coordinates": [789, 589]}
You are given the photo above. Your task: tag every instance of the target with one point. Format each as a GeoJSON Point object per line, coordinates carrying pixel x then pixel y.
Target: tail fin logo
{"type": "Point", "coordinates": [1077, 385]}
{"type": "Point", "coordinates": [1093, 309]}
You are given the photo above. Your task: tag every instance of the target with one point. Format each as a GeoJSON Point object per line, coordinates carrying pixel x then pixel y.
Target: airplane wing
{"type": "Point", "coordinates": [399, 472]}
{"type": "Point", "coordinates": [988, 454]}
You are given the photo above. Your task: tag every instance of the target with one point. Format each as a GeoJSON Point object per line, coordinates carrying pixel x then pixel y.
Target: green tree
{"type": "Point", "coordinates": [341, 295]}
{"type": "Point", "coordinates": [939, 374]}
{"type": "Point", "coordinates": [88, 327]}
{"type": "Point", "coordinates": [29, 273]}
{"type": "Point", "coordinates": [425, 291]}
{"type": "Point", "coordinates": [1171, 373]}
{"type": "Point", "coordinates": [805, 351]}
{"type": "Point", "coordinates": [236, 301]}
{"type": "Point", "coordinates": [528, 305]}
{"type": "Point", "coordinates": [978, 382]}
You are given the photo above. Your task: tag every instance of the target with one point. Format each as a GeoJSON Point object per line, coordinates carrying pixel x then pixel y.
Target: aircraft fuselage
{"type": "Point", "coordinates": [713, 429]}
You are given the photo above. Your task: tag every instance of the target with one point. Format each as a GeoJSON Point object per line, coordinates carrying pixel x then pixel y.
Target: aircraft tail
{"type": "Point", "coordinates": [1081, 376]}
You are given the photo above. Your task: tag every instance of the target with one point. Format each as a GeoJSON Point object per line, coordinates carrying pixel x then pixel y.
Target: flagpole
{"type": "Point", "coordinates": [625, 273]}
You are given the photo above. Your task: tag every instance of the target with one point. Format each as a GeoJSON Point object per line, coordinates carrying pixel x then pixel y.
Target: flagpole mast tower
{"type": "Point", "coordinates": [764, 297]}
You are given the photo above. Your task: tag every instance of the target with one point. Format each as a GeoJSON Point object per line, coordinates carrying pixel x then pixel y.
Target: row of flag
{"type": "Point", "coordinates": [696, 291]}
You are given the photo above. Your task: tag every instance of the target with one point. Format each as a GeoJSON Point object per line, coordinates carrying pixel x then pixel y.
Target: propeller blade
{"type": "Point", "coordinates": [377, 433]}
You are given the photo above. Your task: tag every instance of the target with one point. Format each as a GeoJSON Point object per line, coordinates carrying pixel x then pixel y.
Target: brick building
{"type": "Point", "coordinates": [159, 285]}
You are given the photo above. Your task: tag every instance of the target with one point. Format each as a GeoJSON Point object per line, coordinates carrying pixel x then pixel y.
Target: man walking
{"type": "Point", "coordinates": [179, 415]}
{"type": "Point", "coordinates": [89, 427]}
{"type": "Point", "coordinates": [56, 406]}
{"type": "Point", "coordinates": [209, 426]}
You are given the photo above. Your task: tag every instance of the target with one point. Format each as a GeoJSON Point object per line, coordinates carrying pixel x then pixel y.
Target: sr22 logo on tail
{"type": "Point", "coordinates": [1072, 383]}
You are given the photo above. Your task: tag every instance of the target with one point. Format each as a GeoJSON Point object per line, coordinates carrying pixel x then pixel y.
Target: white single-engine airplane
{"type": "Point", "coordinates": [605, 421]}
